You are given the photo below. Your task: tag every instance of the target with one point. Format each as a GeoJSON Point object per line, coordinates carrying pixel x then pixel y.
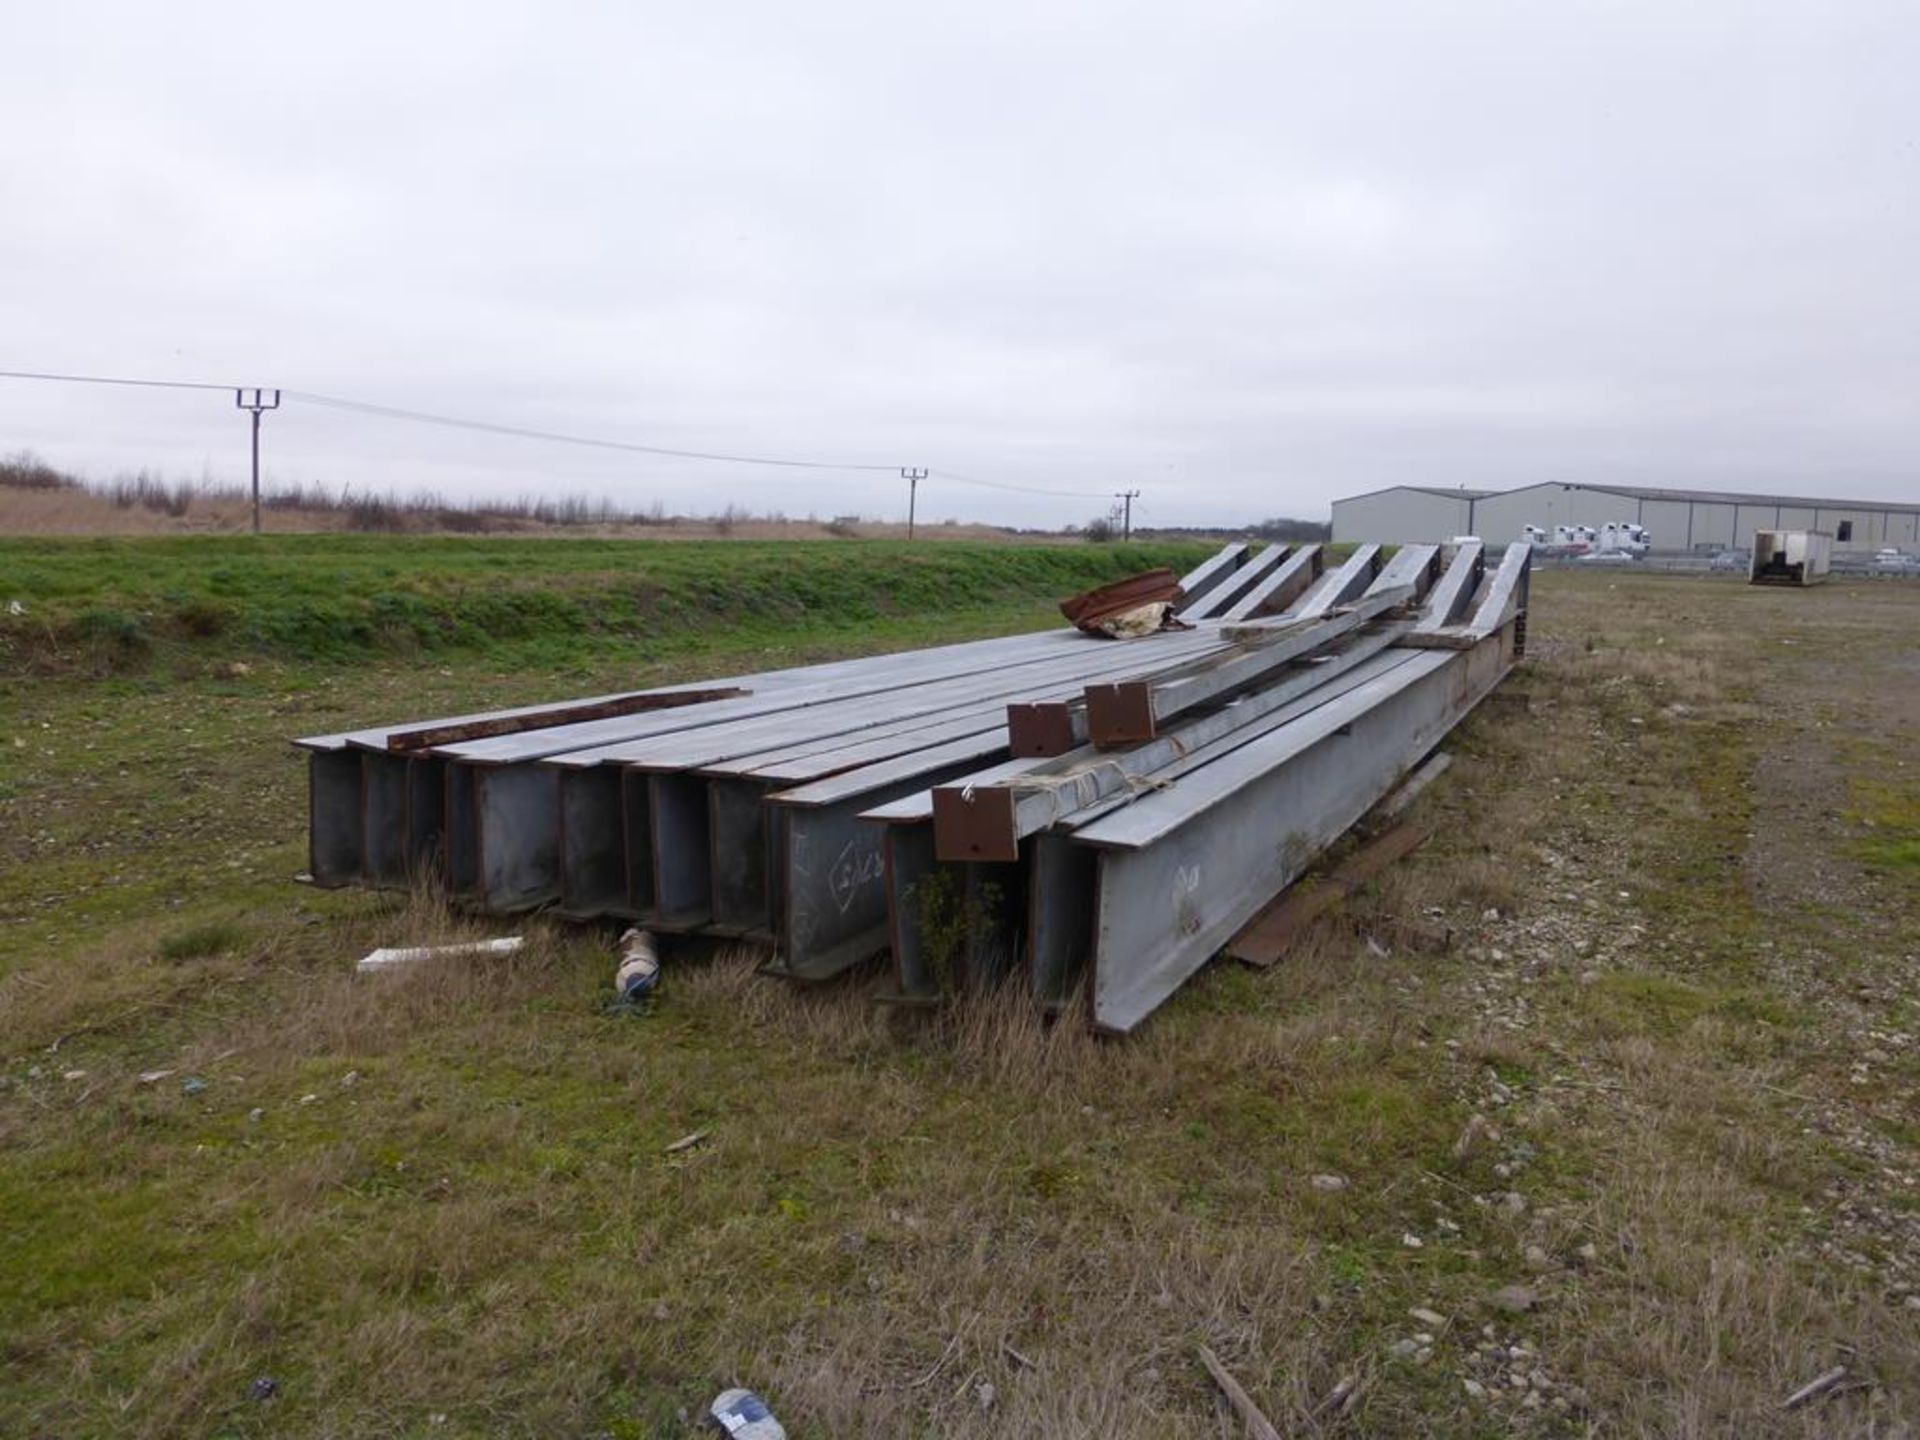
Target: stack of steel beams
{"type": "Point", "coordinates": [1087, 814]}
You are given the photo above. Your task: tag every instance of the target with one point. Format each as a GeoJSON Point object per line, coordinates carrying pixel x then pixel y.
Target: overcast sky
{"type": "Point", "coordinates": [1242, 257]}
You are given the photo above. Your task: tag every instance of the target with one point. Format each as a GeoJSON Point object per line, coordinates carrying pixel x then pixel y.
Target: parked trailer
{"type": "Point", "coordinates": [1790, 557]}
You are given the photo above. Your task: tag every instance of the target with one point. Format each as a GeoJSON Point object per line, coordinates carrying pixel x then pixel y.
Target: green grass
{"type": "Point", "coordinates": [1888, 814]}
{"type": "Point", "coordinates": [210, 938]}
{"type": "Point", "coordinates": [112, 603]}
{"type": "Point", "coordinates": [474, 1217]}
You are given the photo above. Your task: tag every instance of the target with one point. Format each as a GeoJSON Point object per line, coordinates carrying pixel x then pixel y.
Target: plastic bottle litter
{"type": "Point", "coordinates": [744, 1416]}
{"type": "Point", "coordinates": [639, 968]}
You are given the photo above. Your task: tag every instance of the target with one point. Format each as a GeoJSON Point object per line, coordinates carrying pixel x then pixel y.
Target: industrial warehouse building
{"type": "Point", "coordinates": [1675, 519]}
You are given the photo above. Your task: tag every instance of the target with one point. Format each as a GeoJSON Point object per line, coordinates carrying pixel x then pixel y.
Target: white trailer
{"type": "Point", "coordinates": [1625, 536]}
{"type": "Point", "coordinates": [1790, 557]}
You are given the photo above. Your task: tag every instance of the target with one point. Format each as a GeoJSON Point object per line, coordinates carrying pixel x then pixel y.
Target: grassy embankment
{"type": "Point", "coordinates": [110, 604]}
{"type": "Point", "coordinates": [1682, 999]}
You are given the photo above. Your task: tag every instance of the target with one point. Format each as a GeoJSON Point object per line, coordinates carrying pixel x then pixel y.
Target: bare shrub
{"type": "Point", "coordinates": [24, 470]}
{"type": "Point", "coordinates": [375, 514]}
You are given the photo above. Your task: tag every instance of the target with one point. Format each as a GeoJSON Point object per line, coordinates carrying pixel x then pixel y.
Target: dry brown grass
{"type": "Point", "coordinates": [68, 511]}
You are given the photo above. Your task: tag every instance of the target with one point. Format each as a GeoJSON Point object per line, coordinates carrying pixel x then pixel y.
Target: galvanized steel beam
{"type": "Point", "coordinates": [1211, 572]}
{"type": "Point", "coordinates": [1224, 596]}
{"type": "Point", "coordinates": [1417, 566]}
{"type": "Point", "coordinates": [1347, 583]}
{"type": "Point", "coordinates": [593, 851]}
{"type": "Point", "coordinates": [1182, 871]}
{"type": "Point", "coordinates": [517, 822]}
{"type": "Point", "coordinates": [682, 852]}
{"type": "Point", "coordinates": [1454, 591]}
{"type": "Point", "coordinates": [986, 819]}
{"type": "Point", "coordinates": [1135, 710]}
{"type": "Point", "coordinates": [1280, 588]}
{"type": "Point", "coordinates": [833, 870]}
{"type": "Point", "coordinates": [1059, 944]}
{"type": "Point", "coordinates": [335, 843]}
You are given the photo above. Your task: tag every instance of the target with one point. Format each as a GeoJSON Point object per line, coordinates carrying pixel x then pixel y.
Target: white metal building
{"type": "Point", "coordinates": [1676, 519]}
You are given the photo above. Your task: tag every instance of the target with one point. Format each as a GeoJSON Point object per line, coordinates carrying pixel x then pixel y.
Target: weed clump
{"type": "Point", "coordinates": [200, 942]}
{"type": "Point", "coordinates": [114, 639]}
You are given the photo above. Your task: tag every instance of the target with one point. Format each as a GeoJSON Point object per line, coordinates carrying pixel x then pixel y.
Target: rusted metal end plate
{"type": "Point", "coordinates": [1120, 714]}
{"type": "Point", "coordinates": [1039, 728]}
{"type": "Point", "coordinates": [974, 824]}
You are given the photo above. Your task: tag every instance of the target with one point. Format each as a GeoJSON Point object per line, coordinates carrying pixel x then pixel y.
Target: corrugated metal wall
{"type": "Point", "coordinates": [1401, 515]}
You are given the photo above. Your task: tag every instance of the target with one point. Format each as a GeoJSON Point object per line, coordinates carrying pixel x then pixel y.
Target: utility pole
{"type": "Point", "coordinates": [258, 403]}
{"type": "Point", "coordinates": [1126, 498]}
{"type": "Point", "coordinates": [913, 478]}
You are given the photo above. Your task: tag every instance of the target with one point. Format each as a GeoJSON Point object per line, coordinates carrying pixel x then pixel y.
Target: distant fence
{"type": "Point", "coordinates": [1853, 567]}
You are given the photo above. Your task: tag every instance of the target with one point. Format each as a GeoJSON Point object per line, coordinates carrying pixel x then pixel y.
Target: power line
{"type": "Point", "coordinates": [423, 417]}
{"type": "Point", "coordinates": [391, 412]}
{"type": "Point", "coordinates": [1018, 489]}
{"type": "Point", "coordinates": [112, 380]}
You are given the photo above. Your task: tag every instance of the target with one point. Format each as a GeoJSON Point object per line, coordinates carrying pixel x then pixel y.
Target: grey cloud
{"type": "Point", "coordinates": [1244, 257]}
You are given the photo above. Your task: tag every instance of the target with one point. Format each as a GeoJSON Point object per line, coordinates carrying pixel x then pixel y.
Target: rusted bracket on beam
{"type": "Point", "coordinates": [1134, 710]}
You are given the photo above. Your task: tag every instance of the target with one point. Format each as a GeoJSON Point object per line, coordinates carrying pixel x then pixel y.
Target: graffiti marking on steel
{"type": "Point", "coordinates": [857, 866]}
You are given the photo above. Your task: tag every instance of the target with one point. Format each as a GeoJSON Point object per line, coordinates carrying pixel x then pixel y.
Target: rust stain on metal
{"type": "Point", "coordinates": [1121, 714]}
{"type": "Point", "coordinates": [1275, 930]}
{"type": "Point", "coordinates": [1089, 608]}
{"type": "Point", "coordinates": [971, 824]}
{"type": "Point", "coordinates": [1040, 728]}
{"type": "Point", "coordinates": [570, 714]}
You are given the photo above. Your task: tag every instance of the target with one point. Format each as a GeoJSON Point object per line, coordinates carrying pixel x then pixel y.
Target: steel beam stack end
{"type": "Point", "coordinates": [1089, 819]}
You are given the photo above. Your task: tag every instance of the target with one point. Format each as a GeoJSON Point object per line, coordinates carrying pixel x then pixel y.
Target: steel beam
{"type": "Point", "coordinates": [1414, 565]}
{"type": "Point", "coordinates": [921, 966]}
{"type": "Point", "coordinates": [850, 717]}
{"type": "Point", "coordinates": [832, 881]}
{"type": "Point", "coordinates": [636, 830]}
{"type": "Point", "coordinates": [1347, 583]}
{"type": "Point", "coordinates": [1506, 592]}
{"type": "Point", "coordinates": [517, 820]}
{"type": "Point", "coordinates": [384, 808]}
{"type": "Point", "coordinates": [593, 852]}
{"type": "Point", "coordinates": [1136, 710]}
{"type": "Point", "coordinates": [462, 831]}
{"type": "Point", "coordinates": [1182, 871]}
{"type": "Point", "coordinates": [1060, 891]}
{"type": "Point", "coordinates": [427, 817]}
{"type": "Point", "coordinates": [682, 852]}
{"type": "Point", "coordinates": [994, 923]}
{"type": "Point", "coordinates": [1211, 572]}
{"type": "Point", "coordinates": [1500, 600]}
{"type": "Point", "coordinates": [335, 839]}
{"type": "Point", "coordinates": [1281, 587]}
{"type": "Point", "coordinates": [776, 694]}
{"type": "Point", "coordinates": [1454, 591]}
{"type": "Point", "coordinates": [986, 819]}
{"type": "Point", "coordinates": [815, 759]}
{"type": "Point", "coordinates": [573, 712]}
{"type": "Point", "coordinates": [742, 850]}
{"type": "Point", "coordinates": [1224, 596]}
